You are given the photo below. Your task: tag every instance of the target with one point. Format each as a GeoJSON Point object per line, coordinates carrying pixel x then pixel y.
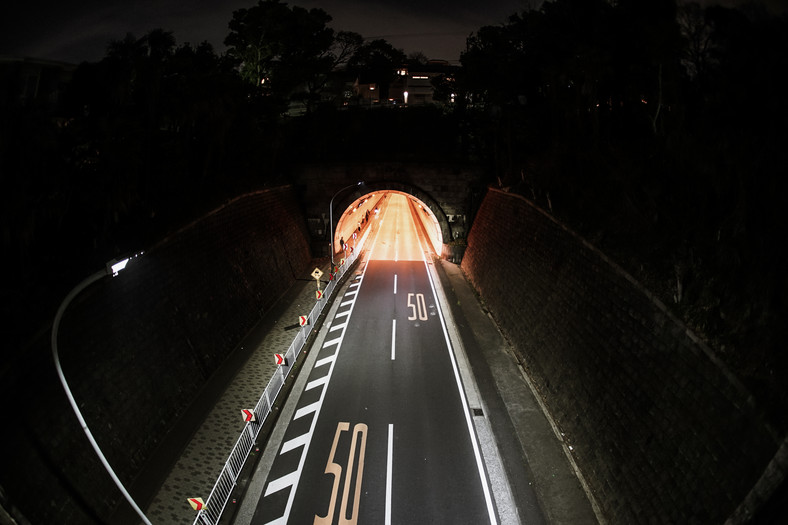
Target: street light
{"type": "Point", "coordinates": [112, 268]}
{"type": "Point", "coordinates": [331, 218]}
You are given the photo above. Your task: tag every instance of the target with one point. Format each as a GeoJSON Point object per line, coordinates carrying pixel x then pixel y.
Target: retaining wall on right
{"type": "Point", "coordinates": [661, 430]}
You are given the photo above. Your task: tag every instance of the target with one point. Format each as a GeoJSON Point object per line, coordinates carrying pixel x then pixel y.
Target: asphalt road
{"type": "Point", "coordinates": [382, 431]}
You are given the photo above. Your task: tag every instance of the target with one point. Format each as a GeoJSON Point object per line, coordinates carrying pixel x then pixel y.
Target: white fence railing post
{"type": "Point", "coordinates": [220, 494]}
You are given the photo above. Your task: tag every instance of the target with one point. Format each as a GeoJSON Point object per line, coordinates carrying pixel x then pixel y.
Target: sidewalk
{"type": "Point", "coordinates": [200, 464]}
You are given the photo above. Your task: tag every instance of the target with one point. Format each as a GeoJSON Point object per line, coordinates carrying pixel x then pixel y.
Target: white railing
{"type": "Point", "coordinates": [217, 499]}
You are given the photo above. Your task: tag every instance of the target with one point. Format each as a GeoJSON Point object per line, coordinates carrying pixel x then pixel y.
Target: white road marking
{"type": "Point", "coordinates": [393, 338]}
{"type": "Point", "coordinates": [301, 412]}
{"type": "Point", "coordinates": [316, 383]}
{"type": "Point", "coordinates": [337, 327]}
{"type": "Point", "coordinates": [325, 360]}
{"type": "Point", "coordinates": [332, 342]}
{"type": "Point", "coordinates": [389, 463]}
{"type": "Point", "coordinates": [295, 443]}
{"type": "Point", "coordinates": [395, 284]}
{"type": "Point", "coordinates": [280, 483]}
{"type": "Point", "coordinates": [293, 478]}
{"type": "Point", "coordinates": [464, 402]}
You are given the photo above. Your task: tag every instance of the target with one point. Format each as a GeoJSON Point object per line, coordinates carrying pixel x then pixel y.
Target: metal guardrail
{"type": "Point", "coordinates": [220, 494]}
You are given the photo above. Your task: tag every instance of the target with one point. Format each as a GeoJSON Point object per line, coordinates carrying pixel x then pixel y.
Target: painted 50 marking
{"type": "Point", "coordinates": [419, 308]}
{"type": "Point", "coordinates": [334, 469]}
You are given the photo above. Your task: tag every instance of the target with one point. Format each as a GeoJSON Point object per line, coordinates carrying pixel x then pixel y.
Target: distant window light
{"type": "Point", "coordinates": [420, 77]}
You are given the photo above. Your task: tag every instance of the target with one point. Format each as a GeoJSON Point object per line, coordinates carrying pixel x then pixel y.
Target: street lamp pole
{"type": "Point", "coordinates": [331, 219]}
{"type": "Point", "coordinates": [111, 269]}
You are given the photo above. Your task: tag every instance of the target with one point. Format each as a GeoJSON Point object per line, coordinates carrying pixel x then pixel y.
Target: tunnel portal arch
{"type": "Point", "coordinates": [356, 199]}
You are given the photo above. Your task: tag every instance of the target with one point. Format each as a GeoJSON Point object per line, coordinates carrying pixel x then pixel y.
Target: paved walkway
{"type": "Point", "coordinates": [198, 468]}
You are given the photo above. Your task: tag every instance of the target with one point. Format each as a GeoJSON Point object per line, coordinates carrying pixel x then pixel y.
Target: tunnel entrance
{"type": "Point", "coordinates": [364, 209]}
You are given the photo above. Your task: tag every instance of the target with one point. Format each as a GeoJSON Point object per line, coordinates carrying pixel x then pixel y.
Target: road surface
{"type": "Point", "coordinates": [382, 431]}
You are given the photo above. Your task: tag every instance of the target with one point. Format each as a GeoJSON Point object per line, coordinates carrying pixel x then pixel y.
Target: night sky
{"type": "Point", "coordinates": [75, 31]}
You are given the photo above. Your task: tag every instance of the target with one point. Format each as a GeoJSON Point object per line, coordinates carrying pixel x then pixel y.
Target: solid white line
{"type": "Point", "coordinates": [351, 292]}
{"type": "Point", "coordinates": [341, 314]}
{"type": "Point", "coordinates": [280, 483]}
{"type": "Point", "coordinates": [295, 443]}
{"type": "Point", "coordinates": [347, 303]}
{"type": "Point", "coordinates": [389, 464]}
{"type": "Point", "coordinates": [393, 337]}
{"type": "Point", "coordinates": [337, 327]}
{"type": "Point", "coordinates": [317, 382]}
{"type": "Point", "coordinates": [463, 400]}
{"type": "Point", "coordinates": [301, 412]}
{"type": "Point", "coordinates": [395, 283]}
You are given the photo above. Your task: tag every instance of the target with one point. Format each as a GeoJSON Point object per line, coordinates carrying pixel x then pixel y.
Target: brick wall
{"type": "Point", "coordinates": [662, 432]}
{"type": "Point", "coordinates": [137, 348]}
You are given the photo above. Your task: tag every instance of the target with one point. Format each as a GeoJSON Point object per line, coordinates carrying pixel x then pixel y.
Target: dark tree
{"type": "Point", "coordinates": [287, 53]}
{"type": "Point", "coordinates": [377, 61]}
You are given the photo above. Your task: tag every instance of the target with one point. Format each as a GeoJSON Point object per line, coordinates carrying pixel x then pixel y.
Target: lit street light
{"type": "Point", "coordinates": [112, 269]}
{"type": "Point", "coordinates": [331, 219]}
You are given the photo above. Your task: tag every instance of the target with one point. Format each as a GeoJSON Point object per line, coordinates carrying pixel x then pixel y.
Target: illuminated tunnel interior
{"type": "Point", "coordinates": [372, 206]}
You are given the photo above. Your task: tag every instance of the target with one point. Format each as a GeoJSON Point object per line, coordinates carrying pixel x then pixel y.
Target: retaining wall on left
{"type": "Point", "coordinates": [137, 349]}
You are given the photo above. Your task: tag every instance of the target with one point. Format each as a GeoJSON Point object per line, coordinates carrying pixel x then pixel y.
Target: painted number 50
{"type": "Point", "coordinates": [359, 435]}
{"type": "Point", "coordinates": [419, 308]}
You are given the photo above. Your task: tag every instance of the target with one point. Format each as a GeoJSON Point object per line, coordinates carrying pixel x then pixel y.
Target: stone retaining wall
{"type": "Point", "coordinates": [136, 350]}
{"type": "Point", "coordinates": [661, 430]}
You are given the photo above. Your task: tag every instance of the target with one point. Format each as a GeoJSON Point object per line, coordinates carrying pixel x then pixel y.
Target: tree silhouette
{"type": "Point", "coordinates": [378, 61]}
{"type": "Point", "coordinates": [285, 52]}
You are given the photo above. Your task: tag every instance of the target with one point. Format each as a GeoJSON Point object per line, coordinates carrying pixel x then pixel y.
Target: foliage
{"type": "Point", "coordinates": [287, 53]}
{"type": "Point", "coordinates": [656, 132]}
{"type": "Point", "coordinates": [377, 61]}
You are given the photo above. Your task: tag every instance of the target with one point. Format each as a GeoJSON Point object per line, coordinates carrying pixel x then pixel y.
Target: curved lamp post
{"type": "Point", "coordinates": [331, 218]}
{"type": "Point", "coordinates": [112, 269]}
